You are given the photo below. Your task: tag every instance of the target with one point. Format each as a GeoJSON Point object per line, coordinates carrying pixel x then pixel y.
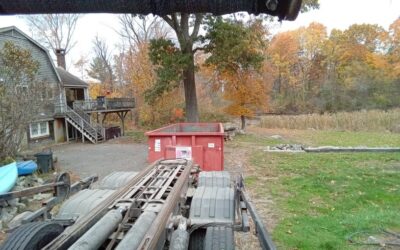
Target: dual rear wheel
{"type": "Point", "coordinates": [32, 236]}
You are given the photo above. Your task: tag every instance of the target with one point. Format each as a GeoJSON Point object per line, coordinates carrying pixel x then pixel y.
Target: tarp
{"type": "Point", "coordinates": [286, 9]}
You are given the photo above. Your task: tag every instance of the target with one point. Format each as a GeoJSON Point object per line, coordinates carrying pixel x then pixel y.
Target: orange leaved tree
{"type": "Point", "coordinates": [236, 56]}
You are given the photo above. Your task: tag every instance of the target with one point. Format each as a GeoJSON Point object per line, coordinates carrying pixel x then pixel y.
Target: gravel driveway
{"type": "Point", "coordinates": [85, 159]}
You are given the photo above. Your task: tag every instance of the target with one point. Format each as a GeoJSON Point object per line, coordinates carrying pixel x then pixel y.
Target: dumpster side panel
{"type": "Point", "coordinates": [183, 141]}
{"type": "Point", "coordinates": [170, 152]}
{"type": "Point", "coordinates": [213, 152]}
{"type": "Point", "coordinates": [198, 152]}
{"type": "Point", "coordinates": [198, 142]}
{"type": "Point", "coordinates": [158, 147]}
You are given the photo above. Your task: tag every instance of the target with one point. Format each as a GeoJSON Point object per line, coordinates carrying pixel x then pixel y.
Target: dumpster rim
{"type": "Point", "coordinates": [159, 132]}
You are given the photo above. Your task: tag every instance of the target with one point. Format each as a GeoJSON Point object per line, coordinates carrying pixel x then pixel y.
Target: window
{"type": "Point", "coordinates": [46, 94]}
{"type": "Point", "coordinates": [39, 129]}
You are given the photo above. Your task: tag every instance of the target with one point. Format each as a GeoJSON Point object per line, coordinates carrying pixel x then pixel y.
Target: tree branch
{"type": "Point", "coordinates": [197, 23]}
{"type": "Point", "coordinates": [168, 20]}
{"type": "Point", "coordinates": [175, 23]}
{"type": "Point", "coordinates": [198, 49]}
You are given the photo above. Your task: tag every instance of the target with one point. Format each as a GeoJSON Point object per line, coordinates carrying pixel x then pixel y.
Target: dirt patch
{"type": "Point", "coordinates": [247, 240]}
{"type": "Point", "coordinates": [237, 161]}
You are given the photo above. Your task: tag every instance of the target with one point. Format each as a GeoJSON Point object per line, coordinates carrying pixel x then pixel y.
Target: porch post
{"type": "Point", "coordinates": [66, 128]}
{"type": "Point", "coordinates": [86, 93]}
{"type": "Point", "coordinates": [83, 136]}
{"type": "Point", "coordinates": [122, 116]}
{"type": "Point", "coordinates": [104, 118]}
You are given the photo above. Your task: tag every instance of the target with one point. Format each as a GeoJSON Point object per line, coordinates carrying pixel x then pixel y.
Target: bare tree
{"type": "Point", "coordinates": [81, 65]}
{"type": "Point", "coordinates": [140, 29]}
{"type": "Point", "coordinates": [101, 66]}
{"type": "Point", "coordinates": [21, 97]}
{"type": "Point", "coordinates": [54, 30]}
{"type": "Point", "coordinates": [136, 31]}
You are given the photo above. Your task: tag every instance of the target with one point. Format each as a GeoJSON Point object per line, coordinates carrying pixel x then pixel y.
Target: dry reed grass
{"type": "Point", "coordinates": [372, 120]}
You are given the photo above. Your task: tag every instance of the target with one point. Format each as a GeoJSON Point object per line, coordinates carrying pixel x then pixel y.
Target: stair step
{"type": "Point", "coordinates": [89, 136]}
{"type": "Point", "coordinates": [81, 122]}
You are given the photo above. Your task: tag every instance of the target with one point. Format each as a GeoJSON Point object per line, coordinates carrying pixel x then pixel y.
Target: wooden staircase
{"type": "Point", "coordinates": [81, 121]}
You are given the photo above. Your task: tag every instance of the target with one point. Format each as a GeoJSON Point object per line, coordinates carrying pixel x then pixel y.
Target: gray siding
{"type": "Point", "coordinates": [46, 70]}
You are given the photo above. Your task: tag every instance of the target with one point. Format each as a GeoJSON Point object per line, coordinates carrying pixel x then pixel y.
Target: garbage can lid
{"type": "Point", "coordinates": [44, 154]}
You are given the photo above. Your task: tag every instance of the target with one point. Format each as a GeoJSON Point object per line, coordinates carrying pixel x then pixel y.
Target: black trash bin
{"type": "Point", "coordinates": [44, 161]}
{"type": "Point", "coordinates": [113, 132]}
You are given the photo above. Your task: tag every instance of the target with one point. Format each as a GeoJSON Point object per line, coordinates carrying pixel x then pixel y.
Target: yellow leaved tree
{"type": "Point", "coordinates": [236, 57]}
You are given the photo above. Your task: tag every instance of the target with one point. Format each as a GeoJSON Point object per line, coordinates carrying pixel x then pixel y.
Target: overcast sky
{"type": "Point", "coordinates": [332, 13]}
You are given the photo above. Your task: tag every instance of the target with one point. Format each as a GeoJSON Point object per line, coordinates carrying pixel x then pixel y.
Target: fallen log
{"type": "Point", "coordinates": [283, 151]}
{"type": "Point", "coordinates": [331, 149]}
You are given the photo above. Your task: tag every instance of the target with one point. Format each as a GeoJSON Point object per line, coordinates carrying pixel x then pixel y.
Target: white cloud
{"type": "Point", "coordinates": [340, 14]}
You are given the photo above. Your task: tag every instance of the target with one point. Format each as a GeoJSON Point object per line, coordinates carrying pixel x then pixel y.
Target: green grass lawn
{"type": "Point", "coordinates": [255, 140]}
{"type": "Point", "coordinates": [321, 199]}
{"type": "Point", "coordinates": [346, 138]}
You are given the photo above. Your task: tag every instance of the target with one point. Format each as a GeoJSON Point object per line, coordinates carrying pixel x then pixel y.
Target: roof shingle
{"type": "Point", "coordinates": [69, 80]}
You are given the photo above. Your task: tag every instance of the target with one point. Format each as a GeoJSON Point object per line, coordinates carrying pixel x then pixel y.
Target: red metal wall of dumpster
{"type": "Point", "coordinates": [201, 142]}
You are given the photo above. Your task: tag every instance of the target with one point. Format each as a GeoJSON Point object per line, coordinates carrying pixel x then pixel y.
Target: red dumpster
{"type": "Point", "coordinates": [201, 142]}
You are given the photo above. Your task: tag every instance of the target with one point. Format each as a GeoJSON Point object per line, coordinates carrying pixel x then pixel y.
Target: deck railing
{"type": "Point", "coordinates": [105, 104]}
{"type": "Point", "coordinates": [98, 127]}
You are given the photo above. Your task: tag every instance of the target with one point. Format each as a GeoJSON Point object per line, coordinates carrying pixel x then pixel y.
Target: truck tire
{"type": "Point", "coordinates": [115, 180]}
{"type": "Point", "coordinates": [219, 238]}
{"type": "Point", "coordinates": [196, 240]}
{"type": "Point", "coordinates": [82, 203]}
{"type": "Point", "coordinates": [32, 236]}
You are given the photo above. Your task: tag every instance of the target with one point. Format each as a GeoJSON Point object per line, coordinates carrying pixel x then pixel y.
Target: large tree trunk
{"type": "Point", "coordinates": [186, 39]}
{"type": "Point", "coordinates": [243, 119]}
{"type": "Point", "coordinates": [192, 114]}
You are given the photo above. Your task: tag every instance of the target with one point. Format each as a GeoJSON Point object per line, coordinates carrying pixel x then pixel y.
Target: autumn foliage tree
{"type": "Point", "coordinates": [20, 96]}
{"type": "Point", "coordinates": [394, 47]}
{"type": "Point", "coordinates": [170, 65]}
{"type": "Point", "coordinates": [346, 70]}
{"type": "Point", "coordinates": [160, 99]}
{"type": "Point", "coordinates": [138, 74]}
{"type": "Point", "coordinates": [187, 27]}
{"type": "Point", "coordinates": [299, 71]}
{"type": "Point", "coordinates": [236, 56]}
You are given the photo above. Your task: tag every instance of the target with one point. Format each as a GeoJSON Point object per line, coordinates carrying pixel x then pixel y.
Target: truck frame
{"type": "Point", "coordinates": [171, 204]}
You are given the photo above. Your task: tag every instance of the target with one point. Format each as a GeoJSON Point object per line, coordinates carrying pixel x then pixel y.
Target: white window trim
{"type": "Point", "coordinates": [39, 130]}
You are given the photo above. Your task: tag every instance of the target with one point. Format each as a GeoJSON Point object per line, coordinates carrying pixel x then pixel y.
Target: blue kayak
{"type": "Point", "coordinates": [26, 167]}
{"type": "Point", "coordinates": [8, 177]}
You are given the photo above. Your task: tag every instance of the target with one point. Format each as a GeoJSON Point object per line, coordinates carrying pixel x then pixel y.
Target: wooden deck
{"type": "Point", "coordinates": [107, 105]}
{"type": "Point", "coordinates": [79, 116]}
